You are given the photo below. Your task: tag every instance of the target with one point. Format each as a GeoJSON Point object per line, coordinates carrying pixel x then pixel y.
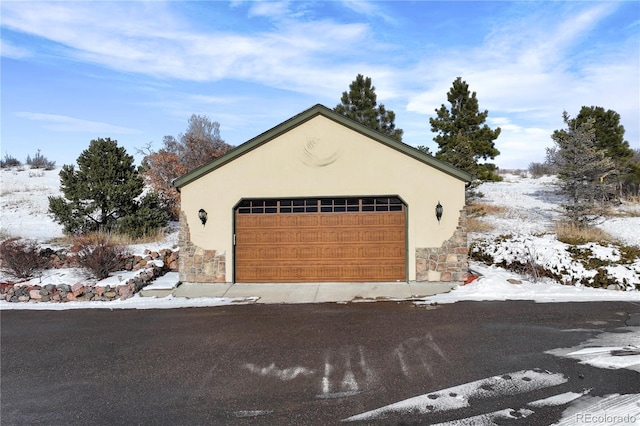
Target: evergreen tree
{"type": "Point", "coordinates": [608, 132]}
{"type": "Point", "coordinates": [360, 104]}
{"type": "Point", "coordinates": [102, 193]}
{"type": "Point", "coordinates": [608, 136]}
{"type": "Point", "coordinates": [462, 136]}
{"type": "Point", "coordinates": [585, 171]}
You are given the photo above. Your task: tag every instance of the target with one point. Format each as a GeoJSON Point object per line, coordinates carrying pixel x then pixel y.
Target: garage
{"type": "Point", "coordinates": [320, 240]}
{"type": "Point", "coordinates": [322, 198]}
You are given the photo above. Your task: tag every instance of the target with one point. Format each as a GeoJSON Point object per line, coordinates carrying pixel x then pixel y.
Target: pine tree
{"type": "Point", "coordinates": [609, 136]}
{"type": "Point", "coordinates": [585, 171]}
{"type": "Point", "coordinates": [102, 192]}
{"type": "Point", "coordinates": [608, 132]}
{"type": "Point", "coordinates": [360, 104]}
{"type": "Point", "coordinates": [462, 136]}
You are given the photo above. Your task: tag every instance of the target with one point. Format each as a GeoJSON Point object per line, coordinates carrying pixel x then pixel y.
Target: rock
{"type": "Point", "coordinates": [44, 292]}
{"type": "Point", "coordinates": [514, 281]}
{"type": "Point", "coordinates": [125, 292]}
{"type": "Point", "coordinates": [109, 294]}
{"type": "Point", "coordinates": [23, 298]}
{"type": "Point", "coordinates": [613, 287]}
{"type": "Point", "coordinates": [50, 287]}
{"type": "Point", "coordinates": [77, 289]}
{"type": "Point", "coordinates": [71, 297]}
{"type": "Point", "coordinates": [35, 294]}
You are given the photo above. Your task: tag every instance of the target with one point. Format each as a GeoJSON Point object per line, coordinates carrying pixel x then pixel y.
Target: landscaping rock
{"type": "Point", "coordinates": [77, 289]}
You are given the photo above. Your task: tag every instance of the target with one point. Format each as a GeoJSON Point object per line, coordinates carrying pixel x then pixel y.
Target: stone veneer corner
{"type": "Point", "coordinates": [448, 263]}
{"type": "Point", "coordinates": [195, 264]}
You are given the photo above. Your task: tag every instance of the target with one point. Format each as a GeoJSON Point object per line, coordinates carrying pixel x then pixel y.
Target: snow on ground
{"type": "Point", "coordinates": [457, 397]}
{"type": "Point", "coordinates": [524, 232]}
{"type": "Point", "coordinates": [531, 204]}
{"type": "Point", "coordinates": [24, 204]}
{"type": "Point", "coordinates": [494, 284]}
{"type": "Point", "coordinates": [625, 229]}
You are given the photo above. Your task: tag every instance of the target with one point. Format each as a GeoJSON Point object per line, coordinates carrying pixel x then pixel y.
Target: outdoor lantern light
{"type": "Point", "coordinates": [439, 211]}
{"type": "Point", "coordinates": [202, 214]}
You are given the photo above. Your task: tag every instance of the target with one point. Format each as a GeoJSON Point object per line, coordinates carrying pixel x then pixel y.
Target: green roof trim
{"type": "Point", "coordinates": [304, 117]}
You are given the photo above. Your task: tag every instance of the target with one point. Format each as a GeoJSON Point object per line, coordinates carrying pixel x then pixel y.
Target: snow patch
{"type": "Point", "coordinates": [560, 399]}
{"type": "Point", "coordinates": [608, 350]}
{"type": "Point", "coordinates": [458, 396]}
{"type": "Point", "coordinates": [494, 285]}
{"type": "Point", "coordinates": [285, 374]}
{"type": "Point", "coordinates": [608, 410]}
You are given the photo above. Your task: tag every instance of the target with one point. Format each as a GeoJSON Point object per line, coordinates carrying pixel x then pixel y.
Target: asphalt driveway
{"type": "Point", "coordinates": [302, 364]}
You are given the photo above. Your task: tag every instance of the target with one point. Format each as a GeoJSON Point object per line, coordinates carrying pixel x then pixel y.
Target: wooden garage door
{"type": "Point", "coordinates": [314, 240]}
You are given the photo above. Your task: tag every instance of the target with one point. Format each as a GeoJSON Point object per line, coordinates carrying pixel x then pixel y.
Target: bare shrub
{"type": "Point", "coordinates": [9, 161]}
{"type": "Point", "coordinates": [22, 258]}
{"type": "Point", "coordinates": [99, 254]}
{"type": "Point", "coordinates": [537, 170]}
{"type": "Point", "coordinates": [39, 161]}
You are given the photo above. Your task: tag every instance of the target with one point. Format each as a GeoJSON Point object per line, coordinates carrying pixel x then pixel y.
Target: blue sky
{"type": "Point", "coordinates": [135, 71]}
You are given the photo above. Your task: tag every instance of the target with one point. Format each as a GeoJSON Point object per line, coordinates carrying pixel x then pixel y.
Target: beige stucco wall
{"type": "Point", "coordinates": [323, 158]}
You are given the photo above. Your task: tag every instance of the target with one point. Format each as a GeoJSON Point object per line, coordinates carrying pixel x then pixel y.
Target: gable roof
{"type": "Point", "coordinates": [305, 116]}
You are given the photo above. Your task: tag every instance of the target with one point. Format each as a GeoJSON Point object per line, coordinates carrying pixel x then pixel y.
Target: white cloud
{"type": "Point", "coordinates": [62, 123]}
{"type": "Point", "coordinates": [10, 50]}
{"type": "Point", "coordinates": [368, 8]}
{"type": "Point", "coordinates": [273, 9]}
{"type": "Point", "coordinates": [122, 38]}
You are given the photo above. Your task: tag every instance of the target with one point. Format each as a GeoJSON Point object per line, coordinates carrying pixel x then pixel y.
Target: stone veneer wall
{"type": "Point", "coordinates": [448, 262]}
{"type": "Point", "coordinates": [195, 264]}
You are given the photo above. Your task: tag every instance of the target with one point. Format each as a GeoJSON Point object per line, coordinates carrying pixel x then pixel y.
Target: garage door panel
{"type": "Point", "coordinates": [320, 246]}
{"type": "Point", "coordinates": [325, 273]}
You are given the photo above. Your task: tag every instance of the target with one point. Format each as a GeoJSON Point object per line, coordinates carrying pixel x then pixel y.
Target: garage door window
{"type": "Point", "coordinates": [323, 205]}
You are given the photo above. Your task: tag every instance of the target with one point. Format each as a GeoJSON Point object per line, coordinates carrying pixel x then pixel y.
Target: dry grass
{"type": "Point", "coordinates": [117, 239]}
{"type": "Point", "coordinates": [478, 209]}
{"type": "Point", "coordinates": [477, 225]}
{"type": "Point", "coordinates": [575, 235]}
{"type": "Point", "coordinates": [127, 240]}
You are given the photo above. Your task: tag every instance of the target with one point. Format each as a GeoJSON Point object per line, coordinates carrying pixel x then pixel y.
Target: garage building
{"type": "Point", "coordinates": [322, 198]}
